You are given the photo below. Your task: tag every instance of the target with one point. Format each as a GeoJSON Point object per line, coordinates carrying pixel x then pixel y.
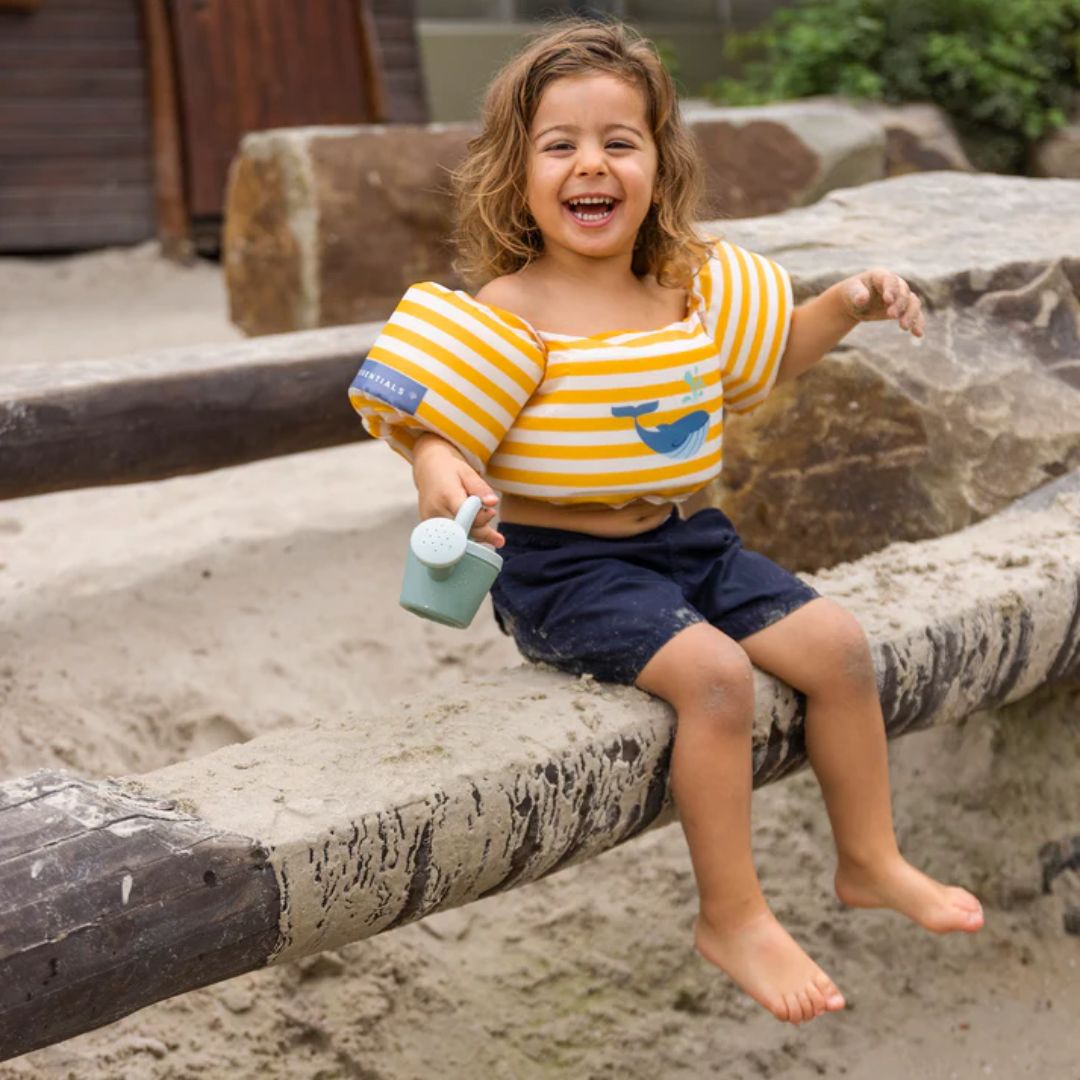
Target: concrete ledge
{"type": "Point", "coordinates": [360, 825]}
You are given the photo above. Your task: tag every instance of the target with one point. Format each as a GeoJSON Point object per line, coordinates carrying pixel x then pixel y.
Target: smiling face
{"type": "Point", "coordinates": [591, 166]}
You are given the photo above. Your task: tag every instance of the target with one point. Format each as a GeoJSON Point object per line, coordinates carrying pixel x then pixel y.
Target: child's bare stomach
{"type": "Point", "coordinates": [596, 519]}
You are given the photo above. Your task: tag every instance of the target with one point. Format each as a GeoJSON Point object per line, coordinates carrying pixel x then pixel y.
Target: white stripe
{"type": "Point", "coordinates": [521, 357]}
{"type": "Point", "coordinates": [632, 491]}
{"type": "Point", "coordinates": [670, 345]}
{"type": "Point", "coordinates": [463, 420]}
{"type": "Point", "coordinates": [469, 360]}
{"type": "Point", "coordinates": [623, 437]}
{"type": "Point", "coordinates": [596, 410]}
{"type": "Point", "coordinates": [728, 331]}
{"type": "Point", "coordinates": [529, 343]}
{"type": "Point", "coordinates": [752, 368]}
{"type": "Point", "coordinates": [459, 382]}
{"type": "Point", "coordinates": [746, 313]}
{"type": "Point", "coordinates": [646, 384]}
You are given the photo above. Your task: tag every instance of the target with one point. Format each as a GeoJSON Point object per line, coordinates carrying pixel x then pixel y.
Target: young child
{"type": "Point", "coordinates": [587, 381]}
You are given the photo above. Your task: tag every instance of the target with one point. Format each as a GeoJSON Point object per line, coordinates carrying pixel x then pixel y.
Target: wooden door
{"type": "Point", "coordinates": [248, 65]}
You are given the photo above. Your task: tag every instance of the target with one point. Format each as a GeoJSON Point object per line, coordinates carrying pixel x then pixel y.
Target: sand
{"type": "Point", "coordinates": [148, 624]}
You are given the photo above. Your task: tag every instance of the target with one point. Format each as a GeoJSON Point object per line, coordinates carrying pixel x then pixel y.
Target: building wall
{"type": "Point", "coordinates": [75, 145]}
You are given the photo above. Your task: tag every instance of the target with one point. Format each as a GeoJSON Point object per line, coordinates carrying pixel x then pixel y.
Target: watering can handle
{"type": "Point", "coordinates": [467, 514]}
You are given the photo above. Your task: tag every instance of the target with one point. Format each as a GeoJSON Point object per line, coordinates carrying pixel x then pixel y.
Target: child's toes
{"type": "Point", "coordinates": [971, 912]}
{"type": "Point", "coordinates": [794, 1009]}
{"type": "Point", "coordinates": [834, 1000]}
{"type": "Point", "coordinates": [817, 999]}
{"type": "Point", "coordinates": [778, 1007]}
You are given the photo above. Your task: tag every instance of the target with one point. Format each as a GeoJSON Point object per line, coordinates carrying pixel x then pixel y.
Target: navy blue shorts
{"type": "Point", "coordinates": [605, 606]}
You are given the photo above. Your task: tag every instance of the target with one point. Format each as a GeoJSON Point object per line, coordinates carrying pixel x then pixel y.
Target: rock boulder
{"type": "Point", "coordinates": [1058, 154]}
{"type": "Point", "coordinates": [328, 226]}
{"type": "Point", "coordinates": [762, 159]}
{"type": "Point", "coordinates": [888, 440]}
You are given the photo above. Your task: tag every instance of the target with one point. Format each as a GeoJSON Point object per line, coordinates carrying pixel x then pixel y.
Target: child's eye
{"type": "Point", "coordinates": [558, 146]}
{"type": "Point", "coordinates": [621, 144]}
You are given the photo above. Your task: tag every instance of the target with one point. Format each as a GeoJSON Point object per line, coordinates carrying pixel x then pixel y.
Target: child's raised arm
{"type": "Point", "coordinates": [824, 321]}
{"type": "Point", "coordinates": [444, 480]}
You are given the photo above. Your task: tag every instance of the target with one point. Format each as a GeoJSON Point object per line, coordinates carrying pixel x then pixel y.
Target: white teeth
{"type": "Point", "coordinates": [577, 207]}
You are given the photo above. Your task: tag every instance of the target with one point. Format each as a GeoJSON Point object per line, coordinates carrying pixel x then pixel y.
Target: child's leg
{"type": "Point", "coordinates": [821, 650]}
{"type": "Point", "coordinates": [707, 678]}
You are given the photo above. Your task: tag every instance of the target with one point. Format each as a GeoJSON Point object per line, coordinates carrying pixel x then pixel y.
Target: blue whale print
{"type": "Point", "coordinates": [679, 440]}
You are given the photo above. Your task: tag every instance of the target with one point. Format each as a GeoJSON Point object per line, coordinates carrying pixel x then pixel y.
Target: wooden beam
{"type": "Point", "coordinates": [174, 227]}
{"type": "Point", "coordinates": [177, 411]}
{"type": "Point", "coordinates": [311, 837]}
{"type": "Point", "coordinates": [371, 65]}
{"type": "Point", "coordinates": [110, 901]}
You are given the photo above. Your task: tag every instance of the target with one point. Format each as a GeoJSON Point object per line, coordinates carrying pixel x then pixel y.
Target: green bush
{"type": "Point", "coordinates": [1006, 71]}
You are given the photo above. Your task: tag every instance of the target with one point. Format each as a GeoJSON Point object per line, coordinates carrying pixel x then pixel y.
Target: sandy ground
{"type": "Point", "coordinates": [148, 624]}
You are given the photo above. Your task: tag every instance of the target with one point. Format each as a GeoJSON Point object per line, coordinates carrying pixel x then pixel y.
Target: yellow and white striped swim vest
{"type": "Point", "coordinates": [608, 418]}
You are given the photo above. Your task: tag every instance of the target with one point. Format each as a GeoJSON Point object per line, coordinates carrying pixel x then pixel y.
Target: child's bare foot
{"type": "Point", "coordinates": [895, 883]}
{"type": "Point", "coordinates": [766, 961]}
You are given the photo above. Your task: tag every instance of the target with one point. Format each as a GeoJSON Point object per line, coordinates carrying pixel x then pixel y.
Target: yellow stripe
{"type": "Point", "coordinates": [628, 366]}
{"type": "Point", "coordinates": [778, 335]}
{"type": "Point", "coordinates": [454, 362]}
{"type": "Point", "coordinates": [449, 393]}
{"type": "Point", "coordinates": [762, 315]}
{"type": "Point", "coordinates": [443, 425]}
{"type": "Point", "coordinates": [572, 480]}
{"type": "Point", "coordinates": [609, 395]}
{"type": "Point", "coordinates": [479, 310]}
{"type": "Point", "coordinates": [740, 332]}
{"type": "Point", "coordinates": [369, 404]}
{"type": "Point", "coordinates": [470, 341]}
{"type": "Point", "coordinates": [584, 453]}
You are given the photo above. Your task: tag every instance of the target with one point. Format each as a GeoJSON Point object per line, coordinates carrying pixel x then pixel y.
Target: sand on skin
{"type": "Point", "coordinates": [146, 624]}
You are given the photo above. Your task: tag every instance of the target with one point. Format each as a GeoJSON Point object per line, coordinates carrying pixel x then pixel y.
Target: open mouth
{"type": "Point", "coordinates": [594, 210]}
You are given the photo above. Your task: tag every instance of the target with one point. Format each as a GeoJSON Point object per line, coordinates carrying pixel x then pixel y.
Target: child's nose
{"type": "Point", "coordinates": [591, 162]}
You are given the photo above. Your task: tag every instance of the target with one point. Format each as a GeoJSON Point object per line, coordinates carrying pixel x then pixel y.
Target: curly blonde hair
{"type": "Point", "coordinates": [495, 231]}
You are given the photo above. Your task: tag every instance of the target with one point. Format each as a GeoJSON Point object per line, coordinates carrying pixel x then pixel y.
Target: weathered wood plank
{"type": "Point", "coordinates": [115, 902]}
{"type": "Point", "coordinates": [177, 411]}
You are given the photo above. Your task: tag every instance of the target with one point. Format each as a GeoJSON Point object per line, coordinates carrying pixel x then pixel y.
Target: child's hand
{"type": "Point", "coordinates": [880, 294]}
{"type": "Point", "coordinates": [444, 480]}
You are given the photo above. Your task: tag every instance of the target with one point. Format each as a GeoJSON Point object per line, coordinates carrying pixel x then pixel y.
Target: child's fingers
{"type": "Point", "coordinates": [475, 484]}
{"type": "Point", "coordinates": [488, 535]}
{"type": "Point", "coordinates": [915, 318]}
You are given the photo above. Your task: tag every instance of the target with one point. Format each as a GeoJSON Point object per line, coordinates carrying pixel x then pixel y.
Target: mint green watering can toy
{"type": "Point", "coordinates": [447, 575]}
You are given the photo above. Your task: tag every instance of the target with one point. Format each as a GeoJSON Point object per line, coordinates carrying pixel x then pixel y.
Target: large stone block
{"type": "Point", "coordinates": [329, 226]}
{"type": "Point", "coordinates": [886, 440]}
{"type": "Point", "coordinates": [919, 137]}
{"type": "Point", "coordinates": [1058, 154]}
{"type": "Point", "coordinates": [762, 159]}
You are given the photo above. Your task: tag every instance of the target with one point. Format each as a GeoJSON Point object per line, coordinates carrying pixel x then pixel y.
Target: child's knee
{"type": "Point", "coordinates": [721, 691]}
{"type": "Point", "coordinates": [849, 660]}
